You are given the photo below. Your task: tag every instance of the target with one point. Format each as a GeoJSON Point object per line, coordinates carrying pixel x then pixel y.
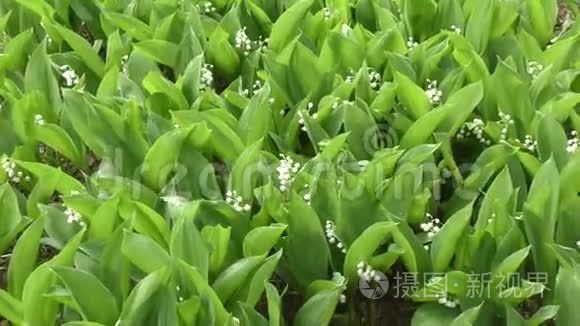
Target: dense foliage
{"type": "Point", "coordinates": [264, 162]}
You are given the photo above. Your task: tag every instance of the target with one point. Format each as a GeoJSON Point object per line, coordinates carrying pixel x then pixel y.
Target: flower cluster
{"type": "Point", "coordinates": [71, 79]}
{"type": "Point", "coordinates": [286, 172]}
{"type": "Point", "coordinates": [255, 89]}
{"type": "Point", "coordinates": [432, 226]}
{"type": "Point", "coordinates": [330, 230]}
{"type": "Point", "coordinates": [3, 41]}
{"type": "Point", "coordinates": [206, 77]}
{"type": "Point", "coordinates": [242, 41]}
{"type": "Point", "coordinates": [309, 108]}
{"type": "Point", "coordinates": [475, 127]}
{"type": "Point", "coordinates": [261, 43]}
{"type": "Point", "coordinates": [505, 121]}
{"type": "Point", "coordinates": [578, 244]}
{"type": "Point", "coordinates": [237, 202]}
{"type": "Point", "coordinates": [206, 7]}
{"type": "Point", "coordinates": [534, 69]}
{"type": "Point", "coordinates": [39, 120]}
{"type": "Point", "coordinates": [308, 195]}
{"type": "Point", "coordinates": [125, 65]}
{"type": "Point", "coordinates": [573, 143]}
{"type": "Point", "coordinates": [455, 29]}
{"type": "Point", "coordinates": [530, 144]}
{"type": "Point", "coordinates": [411, 44]}
{"type": "Point", "coordinates": [447, 301]}
{"type": "Point", "coordinates": [73, 216]}
{"type": "Point", "coordinates": [374, 78]}
{"type": "Point", "coordinates": [13, 174]}
{"type": "Point", "coordinates": [367, 272]}
{"type": "Point", "coordinates": [433, 92]}
{"type": "Point", "coordinates": [179, 297]}
{"type": "Point", "coordinates": [327, 13]}
{"type": "Point", "coordinates": [340, 280]}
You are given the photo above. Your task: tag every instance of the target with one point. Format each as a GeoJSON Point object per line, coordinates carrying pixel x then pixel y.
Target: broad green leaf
{"type": "Point", "coordinates": [433, 314]}
{"type": "Point", "coordinates": [38, 309]}
{"type": "Point", "coordinates": [134, 308]}
{"type": "Point", "coordinates": [445, 241]}
{"type": "Point", "coordinates": [131, 25]}
{"type": "Point", "coordinates": [230, 280]}
{"type": "Point", "coordinates": [11, 308]}
{"type": "Point", "coordinates": [217, 239]}
{"type": "Point", "coordinates": [24, 256]}
{"type": "Point", "coordinates": [40, 76]}
{"type": "Point", "coordinates": [187, 243]}
{"type": "Point", "coordinates": [262, 239]}
{"type": "Point", "coordinates": [274, 304]}
{"type": "Point", "coordinates": [159, 51]}
{"type": "Point", "coordinates": [306, 249]}
{"type": "Point", "coordinates": [319, 309]}
{"type": "Point", "coordinates": [365, 246]}
{"type": "Point", "coordinates": [286, 26]}
{"type": "Point", "coordinates": [412, 96]}
{"type": "Point", "coordinates": [83, 49]}
{"type": "Point", "coordinates": [86, 289]}
{"type": "Point", "coordinates": [11, 216]}
{"type": "Point", "coordinates": [144, 252]}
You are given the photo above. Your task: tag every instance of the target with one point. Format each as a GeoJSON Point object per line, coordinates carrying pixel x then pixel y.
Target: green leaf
{"type": "Point", "coordinates": [159, 51]}
{"type": "Point", "coordinates": [39, 309]}
{"type": "Point", "coordinates": [187, 243]}
{"type": "Point", "coordinates": [217, 239]}
{"type": "Point", "coordinates": [552, 141]}
{"type": "Point", "coordinates": [83, 49]}
{"type": "Point", "coordinates": [460, 105]}
{"type": "Point", "coordinates": [85, 290]}
{"type": "Point", "coordinates": [40, 76]}
{"type": "Point", "coordinates": [24, 256]}
{"type": "Point", "coordinates": [154, 83]}
{"type": "Point", "coordinates": [479, 24]}
{"type": "Point", "coordinates": [286, 26]}
{"type": "Point", "coordinates": [542, 16]}
{"type": "Point", "coordinates": [145, 253]}
{"type": "Point", "coordinates": [262, 239]}
{"type": "Point", "coordinates": [422, 129]}
{"type": "Point", "coordinates": [205, 291]}
{"type": "Point", "coordinates": [234, 277]}
{"type": "Point", "coordinates": [255, 288]}
{"type": "Point", "coordinates": [365, 246]}
{"type": "Point", "coordinates": [161, 159]}
{"type": "Point", "coordinates": [131, 25]}
{"type": "Point", "coordinates": [543, 314]}
{"type": "Point", "coordinates": [307, 252]}
{"type": "Point", "coordinates": [57, 138]}
{"type": "Point", "coordinates": [566, 294]}
{"type": "Point", "coordinates": [134, 311]}
{"type": "Point", "coordinates": [319, 309]}
{"type": "Point", "coordinates": [433, 314]}
{"type": "Point", "coordinates": [222, 54]}
{"type": "Point", "coordinates": [540, 214]}
{"type": "Point", "coordinates": [256, 120]}
{"type": "Point", "coordinates": [446, 240]}
{"type": "Point", "coordinates": [246, 172]}
{"type": "Point", "coordinates": [412, 96]}
{"type": "Point", "coordinates": [274, 304]}
{"type": "Point", "coordinates": [11, 216]}
{"type": "Point", "coordinates": [148, 222]}
{"type": "Point", "coordinates": [11, 308]}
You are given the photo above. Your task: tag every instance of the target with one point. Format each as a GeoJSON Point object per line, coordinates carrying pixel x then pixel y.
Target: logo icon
{"type": "Point", "coordinates": [376, 288]}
